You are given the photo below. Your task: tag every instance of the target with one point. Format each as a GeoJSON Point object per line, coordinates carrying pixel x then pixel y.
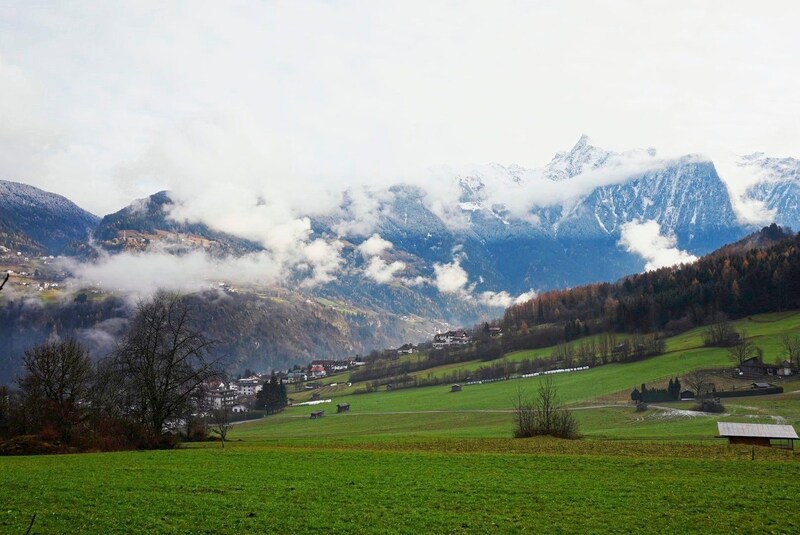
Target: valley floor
{"type": "Point", "coordinates": [427, 460]}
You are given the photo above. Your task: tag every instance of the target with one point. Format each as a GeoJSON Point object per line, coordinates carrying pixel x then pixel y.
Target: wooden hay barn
{"type": "Point", "coordinates": [758, 434]}
{"type": "Point", "coordinates": [455, 388]}
{"type": "Point", "coordinates": [342, 407]}
{"type": "Point", "coordinates": [317, 414]}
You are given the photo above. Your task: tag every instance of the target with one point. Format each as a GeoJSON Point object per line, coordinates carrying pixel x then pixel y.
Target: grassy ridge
{"type": "Point", "coordinates": [684, 353]}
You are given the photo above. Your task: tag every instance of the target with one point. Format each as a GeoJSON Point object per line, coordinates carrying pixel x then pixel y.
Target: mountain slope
{"type": "Point", "coordinates": [779, 187]}
{"type": "Point", "coordinates": [146, 220]}
{"type": "Point", "coordinates": [37, 222]}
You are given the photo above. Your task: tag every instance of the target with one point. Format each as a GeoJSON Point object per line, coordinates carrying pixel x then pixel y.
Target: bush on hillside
{"type": "Point", "coordinates": [709, 405]}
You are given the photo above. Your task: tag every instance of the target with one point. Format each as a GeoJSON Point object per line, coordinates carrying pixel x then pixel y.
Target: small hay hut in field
{"type": "Point", "coordinates": [782, 436]}
{"type": "Point", "coordinates": [455, 388]}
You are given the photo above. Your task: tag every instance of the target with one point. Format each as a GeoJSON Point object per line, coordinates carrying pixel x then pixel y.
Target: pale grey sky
{"type": "Point", "coordinates": [106, 101]}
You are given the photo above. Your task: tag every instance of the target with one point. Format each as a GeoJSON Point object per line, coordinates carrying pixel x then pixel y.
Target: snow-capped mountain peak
{"type": "Point", "coordinates": [582, 157]}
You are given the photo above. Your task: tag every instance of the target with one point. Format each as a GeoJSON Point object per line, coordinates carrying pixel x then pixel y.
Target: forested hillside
{"type": "Point", "coordinates": [759, 274]}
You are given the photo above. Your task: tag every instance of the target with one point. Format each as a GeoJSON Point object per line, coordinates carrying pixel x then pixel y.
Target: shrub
{"type": "Point", "coordinates": [543, 415]}
{"type": "Point", "coordinates": [709, 405]}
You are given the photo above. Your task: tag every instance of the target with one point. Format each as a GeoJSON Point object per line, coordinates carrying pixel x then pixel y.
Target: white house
{"type": "Point", "coordinates": [249, 386]}
{"type": "Point", "coordinates": [451, 338]}
{"type": "Point", "coordinates": [219, 397]}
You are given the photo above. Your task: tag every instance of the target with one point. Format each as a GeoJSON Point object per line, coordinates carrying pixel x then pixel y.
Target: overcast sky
{"type": "Point", "coordinates": [106, 101]}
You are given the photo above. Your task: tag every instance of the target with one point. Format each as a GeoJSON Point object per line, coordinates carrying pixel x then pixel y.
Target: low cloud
{"type": "Point", "coordinates": [644, 238]}
{"type": "Point", "coordinates": [374, 245]}
{"type": "Point", "coordinates": [101, 339]}
{"type": "Point", "coordinates": [361, 210]}
{"type": "Point", "coordinates": [377, 268]}
{"type": "Point", "coordinates": [323, 260]}
{"type": "Point", "coordinates": [143, 274]}
{"type": "Point", "coordinates": [380, 271]}
{"type": "Point", "coordinates": [739, 176]}
{"type": "Point", "coordinates": [450, 278]}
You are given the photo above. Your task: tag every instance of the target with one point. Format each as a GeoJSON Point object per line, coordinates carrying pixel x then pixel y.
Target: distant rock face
{"type": "Point", "coordinates": [687, 199]}
{"type": "Point", "coordinates": [779, 188]}
{"type": "Point", "coordinates": [37, 222]}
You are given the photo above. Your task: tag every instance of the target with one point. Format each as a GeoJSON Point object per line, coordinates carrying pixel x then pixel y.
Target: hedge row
{"type": "Point", "coordinates": [752, 392]}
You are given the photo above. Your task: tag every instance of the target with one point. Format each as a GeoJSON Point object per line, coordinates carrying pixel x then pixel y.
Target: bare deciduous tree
{"type": "Point", "coordinates": [743, 349]}
{"type": "Point", "coordinates": [698, 381]}
{"type": "Point", "coordinates": [57, 384]}
{"type": "Point", "coordinates": [720, 332]}
{"type": "Point", "coordinates": [221, 422]}
{"type": "Point", "coordinates": [791, 345]}
{"type": "Point", "coordinates": [164, 361]}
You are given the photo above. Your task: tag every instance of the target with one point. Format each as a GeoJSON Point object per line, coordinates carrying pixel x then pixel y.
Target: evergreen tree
{"type": "Point", "coordinates": [272, 397]}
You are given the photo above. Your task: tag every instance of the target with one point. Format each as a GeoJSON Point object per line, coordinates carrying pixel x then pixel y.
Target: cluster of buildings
{"type": "Point", "coordinates": [240, 395]}
{"type": "Point", "coordinates": [456, 338]}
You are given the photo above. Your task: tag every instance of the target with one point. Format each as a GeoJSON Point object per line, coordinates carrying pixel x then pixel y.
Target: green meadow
{"type": "Point", "coordinates": [427, 460]}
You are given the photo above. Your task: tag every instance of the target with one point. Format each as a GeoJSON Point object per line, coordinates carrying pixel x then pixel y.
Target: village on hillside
{"type": "Point", "coordinates": [239, 395]}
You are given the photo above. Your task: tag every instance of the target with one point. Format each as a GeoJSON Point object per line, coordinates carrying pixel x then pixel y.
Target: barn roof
{"type": "Point", "coordinates": [728, 429]}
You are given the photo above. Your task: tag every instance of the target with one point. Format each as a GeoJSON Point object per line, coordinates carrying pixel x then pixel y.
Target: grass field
{"type": "Point", "coordinates": [428, 486]}
{"type": "Point", "coordinates": [427, 460]}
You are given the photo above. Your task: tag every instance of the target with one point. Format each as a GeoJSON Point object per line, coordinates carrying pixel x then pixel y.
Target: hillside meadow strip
{"type": "Point", "coordinates": [414, 486]}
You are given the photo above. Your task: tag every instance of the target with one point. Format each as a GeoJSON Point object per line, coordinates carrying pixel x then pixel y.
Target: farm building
{"type": "Point", "coordinates": [317, 414]}
{"type": "Point", "coordinates": [342, 407]}
{"type": "Point", "coordinates": [754, 367]}
{"type": "Point", "coordinates": [455, 388]}
{"type": "Point", "coordinates": [758, 434]}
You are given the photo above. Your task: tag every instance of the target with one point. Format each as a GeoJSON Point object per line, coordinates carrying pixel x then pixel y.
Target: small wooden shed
{"type": "Point", "coordinates": [758, 434]}
{"type": "Point", "coordinates": [317, 414]}
{"type": "Point", "coordinates": [342, 407]}
{"type": "Point", "coordinates": [455, 388]}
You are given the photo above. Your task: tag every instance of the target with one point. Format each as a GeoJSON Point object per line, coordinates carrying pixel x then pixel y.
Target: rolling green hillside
{"type": "Point", "coordinates": [484, 409]}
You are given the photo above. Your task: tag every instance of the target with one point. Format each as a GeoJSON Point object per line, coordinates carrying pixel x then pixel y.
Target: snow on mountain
{"type": "Point", "coordinates": [686, 198]}
{"type": "Point", "coordinates": [778, 186]}
{"type": "Point", "coordinates": [582, 157]}
{"type": "Point", "coordinates": [511, 228]}
{"type": "Point", "coordinates": [39, 221]}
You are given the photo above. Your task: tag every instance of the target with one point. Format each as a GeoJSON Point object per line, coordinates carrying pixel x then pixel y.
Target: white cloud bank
{"type": "Point", "coordinates": [452, 278]}
{"type": "Point", "coordinates": [144, 273]}
{"type": "Point", "coordinates": [645, 239]}
{"type": "Point", "coordinates": [326, 94]}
